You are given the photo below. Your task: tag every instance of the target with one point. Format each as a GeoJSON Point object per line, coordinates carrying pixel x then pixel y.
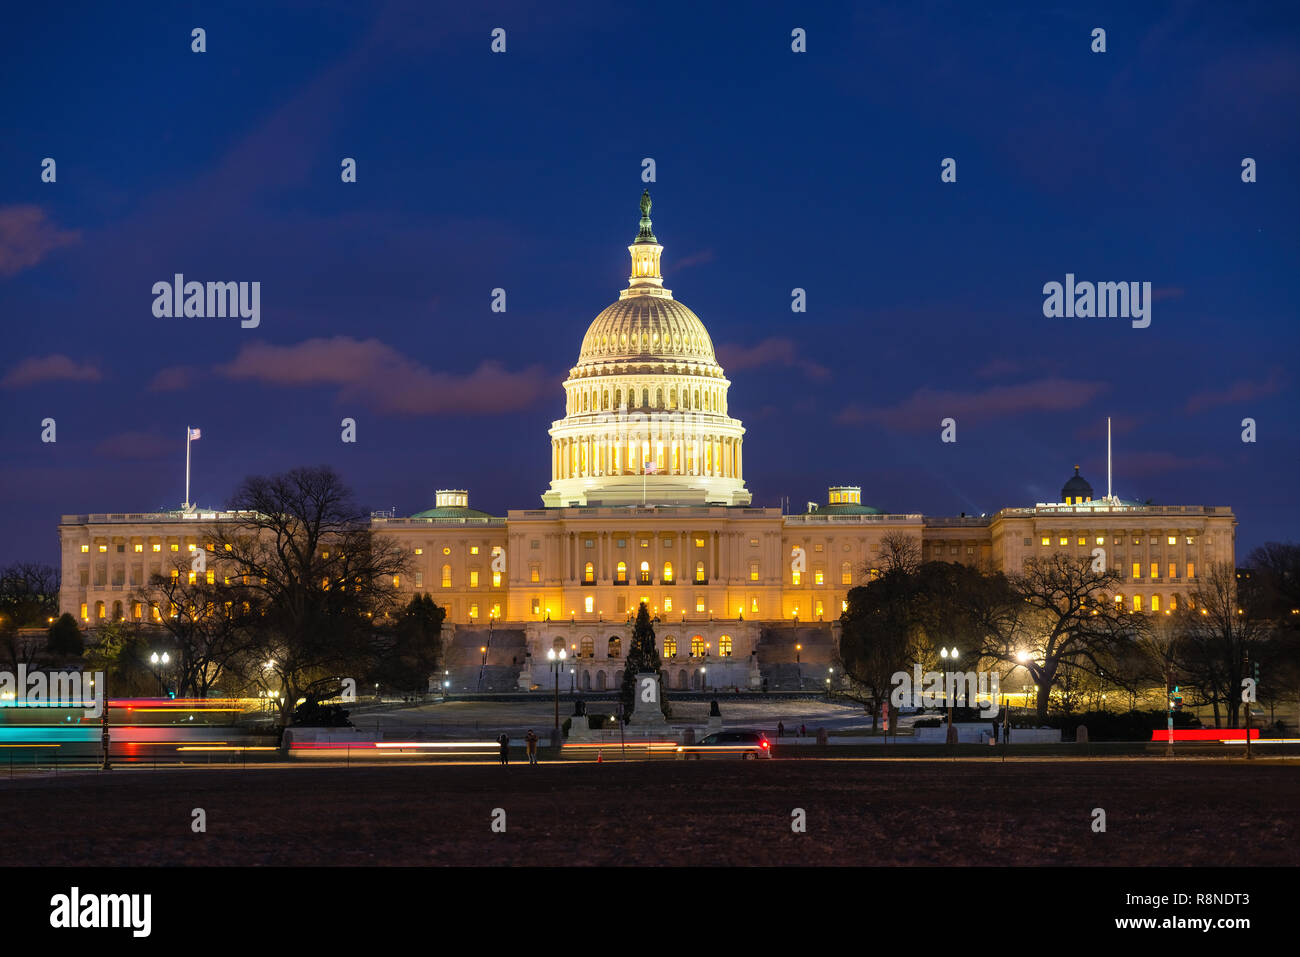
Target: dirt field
{"type": "Point", "coordinates": [915, 812]}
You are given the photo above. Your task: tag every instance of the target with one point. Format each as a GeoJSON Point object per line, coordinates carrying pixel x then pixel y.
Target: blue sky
{"type": "Point", "coordinates": [775, 170]}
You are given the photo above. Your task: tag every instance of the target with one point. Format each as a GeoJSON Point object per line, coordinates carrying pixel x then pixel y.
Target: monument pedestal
{"type": "Point", "coordinates": [647, 706]}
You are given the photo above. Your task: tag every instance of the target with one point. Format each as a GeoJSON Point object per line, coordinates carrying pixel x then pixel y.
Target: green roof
{"type": "Point", "coordinates": [452, 512]}
{"type": "Point", "coordinates": [845, 508]}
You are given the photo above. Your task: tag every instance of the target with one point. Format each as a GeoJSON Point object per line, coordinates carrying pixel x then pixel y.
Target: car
{"type": "Point", "coordinates": [748, 745]}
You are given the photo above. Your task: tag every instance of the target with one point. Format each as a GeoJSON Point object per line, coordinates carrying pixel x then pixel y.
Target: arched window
{"type": "Point", "coordinates": [645, 573]}
{"type": "Point", "coordinates": [586, 681]}
{"type": "Point", "coordinates": [615, 647]}
{"type": "Point", "coordinates": [584, 402]}
{"type": "Point", "coordinates": [681, 679]}
{"type": "Point", "coordinates": [618, 398]}
{"type": "Point", "coordinates": [672, 399]}
{"type": "Point", "coordinates": [659, 398]}
{"type": "Point", "coordinates": [1155, 602]}
{"type": "Point", "coordinates": [446, 576]}
{"type": "Point", "coordinates": [846, 573]}
{"type": "Point", "coordinates": [622, 572]}
{"type": "Point", "coordinates": [724, 646]}
{"type": "Point", "coordinates": [670, 647]}
{"type": "Point", "coordinates": [668, 571]}
{"type": "Point", "coordinates": [99, 609]}
{"type": "Point", "coordinates": [589, 573]}
{"type": "Point", "coordinates": [618, 679]}
{"type": "Point", "coordinates": [557, 645]}
{"type": "Point", "coordinates": [117, 610]}
{"type": "Point", "coordinates": [699, 572]}
{"type": "Point", "coordinates": [588, 649]}
{"type": "Point", "coordinates": [795, 576]}
{"type": "Point", "coordinates": [600, 681]}
{"type": "Point", "coordinates": [645, 395]}
{"type": "Point", "coordinates": [604, 400]}
{"type": "Point", "coordinates": [697, 647]}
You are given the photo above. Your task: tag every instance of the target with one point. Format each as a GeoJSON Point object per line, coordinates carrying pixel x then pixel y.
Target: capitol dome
{"type": "Point", "coordinates": [646, 412]}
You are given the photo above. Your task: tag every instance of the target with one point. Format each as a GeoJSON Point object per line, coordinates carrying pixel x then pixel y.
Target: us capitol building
{"type": "Point", "coordinates": [647, 503]}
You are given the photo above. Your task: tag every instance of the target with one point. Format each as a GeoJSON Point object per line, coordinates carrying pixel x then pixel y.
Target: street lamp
{"type": "Point", "coordinates": [557, 666]}
{"type": "Point", "coordinates": [798, 649]}
{"type": "Point", "coordinates": [163, 659]}
{"type": "Point", "coordinates": [953, 654]}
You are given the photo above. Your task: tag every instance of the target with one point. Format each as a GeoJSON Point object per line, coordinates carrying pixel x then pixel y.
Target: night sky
{"type": "Point", "coordinates": [775, 170]}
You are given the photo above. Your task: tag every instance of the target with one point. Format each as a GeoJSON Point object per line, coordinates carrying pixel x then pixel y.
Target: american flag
{"type": "Point", "coordinates": [651, 468]}
{"type": "Point", "coordinates": [194, 433]}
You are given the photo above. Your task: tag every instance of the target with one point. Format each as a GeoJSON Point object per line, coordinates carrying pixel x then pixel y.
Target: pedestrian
{"type": "Point", "coordinates": [780, 729]}
{"type": "Point", "coordinates": [504, 741]}
{"type": "Point", "coordinates": [803, 730]}
{"type": "Point", "coordinates": [995, 730]}
{"type": "Point", "coordinates": [530, 739]}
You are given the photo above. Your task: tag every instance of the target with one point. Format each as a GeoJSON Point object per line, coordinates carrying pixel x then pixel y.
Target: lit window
{"type": "Point", "coordinates": [473, 609]}
{"type": "Point", "coordinates": [397, 581]}
{"type": "Point", "coordinates": [670, 647]}
{"type": "Point", "coordinates": [175, 547]}
{"type": "Point", "coordinates": [668, 571]}
{"type": "Point", "coordinates": [157, 548]}
{"type": "Point", "coordinates": [1155, 602]}
{"type": "Point", "coordinates": [1137, 569]}
{"type": "Point", "coordinates": [589, 573]}
{"type": "Point", "coordinates": [844, 605]}
{"type": "Point", "coordinates": [1191, 539]}
{"type": "Point", "coordinates": [473, 549]}
{"type": "Point", "coordinates": [699, 603]}
{"type": "Point", "coordinates": [1082, 541]}
{"type": "Point", "coordinates": [1173, 540]}
{"type": "Point", "coordinates": [753, 543]}
{"type": "Point", "coordinates": [645, 573]}
{"type": "Point", "coordinates": [818, 609]}
{"type": "Point", "coordinates": [622, 572]}
{"type": "Point", "coordinates": [753, 571]}
{"type": "Point", "coordinates": [699, 543]}
{"type": "Point", "coordinates": [446, 550]}
{"type": "Point", "coordinates": [85, 548]}
{"type": "Point", "coordinates": [1099, 540]}
{"type": "Point", "coordinates": [794, 577]}
{"type": "Point", "coordinates": [419, 580]}
{"type": "Point", "coordinates": [1064, 540]}
{"type": "Point", "coordinates": [724, 646]}
{"type": "Point", "coordinates": [139, 548]}
{"type": "Point", "coordinates": [1046, 540]}
{"type": "Point", "coordinates": [473, 579]}
{"type": "Point", "coordinates": [1191, 569]}
{"type": "Point", "coordinates": [194, 577]}
{"type": "Point", "coordinates": [846, 574]}
{"type": "Point", "coordinates": [697, 647]}
{"type": "Point", "coordinates": [699, 571]}
{"type": "Point", "coordinates": [85, 612]}
{"type": "Point", "coordinates": [1155, 569]}
{"type": "Point", "coordinates": [535, 573]}
{"type": "Point", "coordinates": [668, 604]}
{"type": "Point", "coordinates": [419, 551]}
{"type": "Point", "coordinates": [615, 647]}
{"type": "Point", "coordinates": [1137, 540]}
{"type": "Point", "coordinates": [818, 577]}
{"type": "Point", "coordinates": [753, 605]}
{"type": "Point", "coordinates": [104, 548]}
{"type": "Point", "coordinates": [1137, 602]}
{"type": "Point", "coordinates": [644, 543]}
{"type": "Point", "coordinates": [446, 576]}
{"type": "Point", "coordinates": [496, 579]}
{"type": "Point", "coordinates": [588, 604]}
{"type": "Point", "coordinates": [176, 573]}
{"type": "Point", "coordinates": [537, 606]}
{"type": "Point", "coordinates": [1173, 569]}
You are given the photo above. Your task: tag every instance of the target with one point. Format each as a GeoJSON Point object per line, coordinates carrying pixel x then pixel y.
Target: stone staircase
{"type": "Point", "coordinates": [777, 653]}
{"type": "Point", "coordinates": [505, 659]}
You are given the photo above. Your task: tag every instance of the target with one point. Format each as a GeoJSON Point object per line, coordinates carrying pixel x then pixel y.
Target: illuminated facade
{"type": "Point", "coordinates": [647, 502]}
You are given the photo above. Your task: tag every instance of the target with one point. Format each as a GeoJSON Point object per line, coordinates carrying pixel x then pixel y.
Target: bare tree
{"type": "Point", "coordinates": [302, 556]}
{"type": "Point", "coordinates": [1216, 634]}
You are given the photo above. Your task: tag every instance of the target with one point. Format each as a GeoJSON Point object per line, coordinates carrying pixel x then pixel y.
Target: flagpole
{"type": "Point", "coordinates": [187, 468]}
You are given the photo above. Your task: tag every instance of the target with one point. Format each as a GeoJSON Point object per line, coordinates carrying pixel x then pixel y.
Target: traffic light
{"type": "Point", "coordinates": [1177, 699]}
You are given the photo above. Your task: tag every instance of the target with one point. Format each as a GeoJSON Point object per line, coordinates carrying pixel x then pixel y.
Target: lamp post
{"type": "Point", "coordinates": [945, 653]}
{"type": "Point", "coordinates": [798, 665]}
{"type": "Point", "coordinates": [557, 667]}
{"type": "Point", "coordinates": [163, 659]}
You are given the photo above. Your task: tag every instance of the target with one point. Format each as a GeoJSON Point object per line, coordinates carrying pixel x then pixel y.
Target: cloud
{"type": "Point", "coordinates": [26, 238]}
{"type": "Point", "coordinates": [694, 259]}
{"type": "Point", "coordinates": [371, 372]}
{"type": "Point", "coordinates": [926, 407]}
{"type": "Point", "coordinates": [771, 351]}
{"type": "Point", "coordinates": [1242, 391]}
{"type": "Point", "coordinates": [55, 368]}
{"type": "Point", "coordinates": [138, 445]}
{"type": "Point", "coordinates": [1156, 463]}
{"type": "Point", "coordinates": [173, 379]}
